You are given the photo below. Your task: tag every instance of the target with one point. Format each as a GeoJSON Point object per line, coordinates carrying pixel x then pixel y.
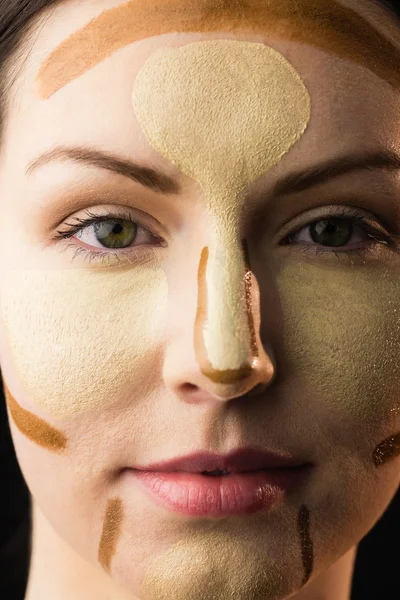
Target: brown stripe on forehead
{"type": "Point", "coordinates": [387, 450]}
{"type": "Point", "coordinates": [37, 430]}
{"type": "Point", "coordinates": [325, 24]}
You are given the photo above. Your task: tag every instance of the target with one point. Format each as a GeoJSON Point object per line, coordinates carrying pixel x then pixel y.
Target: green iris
{"type": "Point", "coordinates": [116, 233]}
{"type": "Point", "coordinates": [331, 232]}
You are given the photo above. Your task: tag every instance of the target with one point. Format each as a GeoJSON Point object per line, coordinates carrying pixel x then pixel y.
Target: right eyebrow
{"type": "Point", "coordinates": [151, 178]}
{"type": "Point", "coordinates": [336, 167]}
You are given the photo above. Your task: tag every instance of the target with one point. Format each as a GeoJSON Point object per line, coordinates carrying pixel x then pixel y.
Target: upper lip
{"type": "Point", "coordinates": [236, 461]}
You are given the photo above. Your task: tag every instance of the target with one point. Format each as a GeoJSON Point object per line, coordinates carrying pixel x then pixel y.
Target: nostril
{"type": "Point", "coordinates": [189, 388]}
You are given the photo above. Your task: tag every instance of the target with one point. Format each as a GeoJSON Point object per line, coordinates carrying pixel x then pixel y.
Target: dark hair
{"type": "Point", "coordinates": [18, 19]}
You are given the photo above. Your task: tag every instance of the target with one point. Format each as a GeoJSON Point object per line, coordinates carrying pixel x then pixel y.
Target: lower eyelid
{"type": "Point", "coordinates": [102, 252]}
{"type": "Point", "coordinates": [106, 257]}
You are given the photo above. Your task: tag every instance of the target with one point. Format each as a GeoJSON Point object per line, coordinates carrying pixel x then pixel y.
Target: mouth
{"type": "Point", "coordinates": [218, 495]}
{"type": "Point", "coordinates": [216, 473]}
{"type": "Point", "coordinates": [237, 461]}
{"type": "Point", "coordinates": [216, 486]}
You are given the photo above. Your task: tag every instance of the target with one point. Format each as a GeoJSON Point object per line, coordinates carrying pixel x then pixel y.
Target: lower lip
{"type": "Point", "coordinates": [222, 496]}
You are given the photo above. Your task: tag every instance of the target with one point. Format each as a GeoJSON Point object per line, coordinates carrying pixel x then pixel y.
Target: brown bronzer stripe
{"type": "Point", "coordinates": [387, 450]}
{"type": "Point", "coordinates": [325, 24]}
{"type": "Point", "coordinates": [307, 550]}
{"type": "Point", "coordinates": [111, 532]}
{"type": "Point", "coordinates": [37, 430]}
{"type": "Point", "coordinates": [228, 375]}
{"type": "Point", "coordinates": [249, 300]}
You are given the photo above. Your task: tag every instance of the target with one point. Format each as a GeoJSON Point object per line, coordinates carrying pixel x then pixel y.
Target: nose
{"type": "Point", "coordinates": [227, 358]}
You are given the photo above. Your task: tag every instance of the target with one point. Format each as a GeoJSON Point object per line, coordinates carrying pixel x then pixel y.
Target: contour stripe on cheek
{"type": "Point", "coordinates": [324, 24]}
{"type": "Point", "coordinates": [216, 129]}
{"type": "Point", "coordinates": [37, 430]}
{"type": "Point", "coordinates": [387, 450]}
{"type": "Point", "coordinates": [111, 532]}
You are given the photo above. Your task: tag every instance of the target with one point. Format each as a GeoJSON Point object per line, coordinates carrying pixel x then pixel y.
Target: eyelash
{"type": "Point", "coordinates": [373, 232]}
{"type": "Point", "coordinates": [93, 219]}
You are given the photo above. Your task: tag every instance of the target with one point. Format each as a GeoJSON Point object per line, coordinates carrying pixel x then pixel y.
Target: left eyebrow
{"type": "Point", "coordinates": [333, 168]}
{"type": "Point", "coordinates": [151, 178]}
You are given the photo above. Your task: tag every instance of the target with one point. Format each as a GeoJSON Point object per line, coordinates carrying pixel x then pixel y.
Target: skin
{"type": "Point", "coordinates": [316, 22]}
{"type": "Point", "coordinates": [175, 126]}
{"type": "Point", "coordinates": [329, 395]}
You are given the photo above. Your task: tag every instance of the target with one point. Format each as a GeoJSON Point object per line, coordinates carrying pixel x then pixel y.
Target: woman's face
{"type": "Point", "coordinates": [233, 303]}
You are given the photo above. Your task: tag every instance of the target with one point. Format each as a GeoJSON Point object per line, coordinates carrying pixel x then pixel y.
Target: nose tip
{"type": "Point", "coordinates": [225, 388]}
{"type": "Point", "coordinates": [228, 376]}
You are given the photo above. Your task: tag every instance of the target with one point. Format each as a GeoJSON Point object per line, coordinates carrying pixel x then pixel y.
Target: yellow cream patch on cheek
{"type": "Point", "coordinates": [341, 335]}
{"type": "Point", "coordinates": [223, 112]}
{"type": "Point", "coordinates": [80, 338]}
{"type": "Point", "coordinates": [213, 566]}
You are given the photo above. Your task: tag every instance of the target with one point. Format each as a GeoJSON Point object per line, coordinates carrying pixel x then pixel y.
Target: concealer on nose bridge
{"type": "Point", "coordinates": [226, 337]}
{"type": "Point", "coordinates": [226, 127]}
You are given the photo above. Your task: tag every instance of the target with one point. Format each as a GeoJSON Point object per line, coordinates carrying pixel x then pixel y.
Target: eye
{"type": "Point", "coordinates": [332, 232]}
{"type": "Point", "coordinates": [113, 234]}
{"type": "Point", "coordinates": [342, 231]}
{"type": "Point", "coordinates": [108, 236]}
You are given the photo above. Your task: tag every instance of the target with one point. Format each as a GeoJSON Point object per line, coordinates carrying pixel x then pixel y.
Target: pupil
{"type": "Point", "coordinates": [331, 232]}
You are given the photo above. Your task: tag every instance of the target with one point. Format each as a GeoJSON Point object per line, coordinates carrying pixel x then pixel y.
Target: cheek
{"type": "Point", "coordinates": [342, 340]}
{"type": "Point", "coordinates": [79, 339]}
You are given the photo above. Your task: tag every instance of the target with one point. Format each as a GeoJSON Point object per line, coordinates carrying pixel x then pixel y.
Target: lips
{"type": "Point", "coordinates": [242, 460]}
{"type": "Point", "coordinates": [232, 495]}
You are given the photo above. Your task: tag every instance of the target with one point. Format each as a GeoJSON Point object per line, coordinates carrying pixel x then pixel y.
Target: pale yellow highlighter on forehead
{"type": "Point", "coordinates": [223, 112]}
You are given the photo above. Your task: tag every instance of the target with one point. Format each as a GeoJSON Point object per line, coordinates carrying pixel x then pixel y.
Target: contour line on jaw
{"type": "Point", "coordinates": [324, 24]}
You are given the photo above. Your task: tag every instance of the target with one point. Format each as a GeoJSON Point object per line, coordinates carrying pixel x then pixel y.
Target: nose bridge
{"type": "Point", "coordinates": [225, 337]}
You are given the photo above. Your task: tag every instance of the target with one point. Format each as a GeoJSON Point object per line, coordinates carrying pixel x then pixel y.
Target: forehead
{"type": "Point", "coordinates": [96, 108]}
{"type": "Point", "coordinates": [325, 24]}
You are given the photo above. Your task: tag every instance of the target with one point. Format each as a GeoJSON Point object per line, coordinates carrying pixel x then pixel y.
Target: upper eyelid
{"type": "Point", "coordinates": [332, 211]}
{"type": "Point", "coordinates": [368, 225]}
{"type": "Point", "coordinates": [120, 214]}
{"type": "Point", "coordinates": [302, 221]}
